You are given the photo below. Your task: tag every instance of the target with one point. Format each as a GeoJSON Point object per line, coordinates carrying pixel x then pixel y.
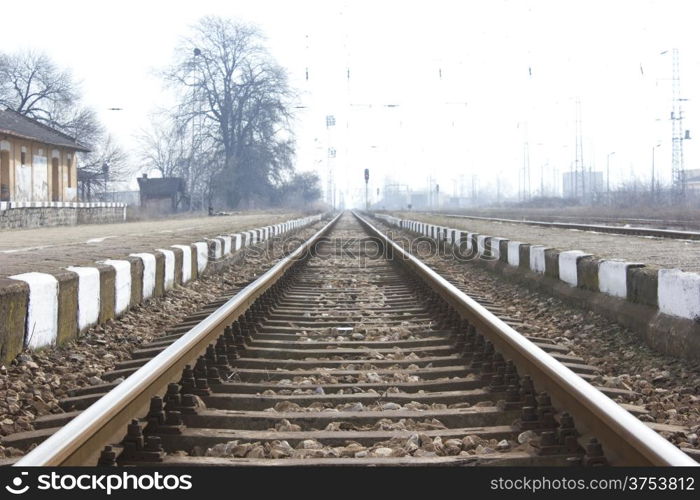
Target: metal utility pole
{"type": "Point", "coordinates": [579, 168]}
{"type": "Point", "coordinates": [607, 173]}
{"type": "Point", "coordinates": [430, 192]}
{"type": "Point", "coordinates": [546, 164]}
{"type": "Point", "coordinates": [330, 157]}
{"type": "Point", "coordinates": [524, 177]}
{"type": "Point", "coordinates": [367, 189]}
{"type": "Point", "coordinates": [678, 134]}
{"type": "Point", "coordinates": [526, 171]}
{"type": "Point", "coordinates": [653, 176]}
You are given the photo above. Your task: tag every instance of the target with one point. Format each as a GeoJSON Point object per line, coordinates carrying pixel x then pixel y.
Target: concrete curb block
{"type": "Point", "coordinates": [169, 268]}
{"type": "Point", "coordinates": [14, 303]}
{"type": "Point", "coordinates": [587, 273]}
{"type": "Point", "coordinates": [513, 253]}
{"type": "Point", "coordinates": [136, 272]}
{"type": "Point", "coordinates": [612, 277]}
{"type": "Point", "coordinates": [107, 292]}
{"type": "Point", "coordinates": [568, 266]}
{"type": "Point", "coordinates": [149, 274]}
{"type": "Point", "coordinates": [679, 293]}
{"type": "Point", "coordinates": [88, 296]}
{"type": "Point", "coordinates": [537, 260]}
{"type": "Point", "coordinates": [67, 321]}
{"type": "Point", "coordinates": [495, 247]}
{"type": "Point", "coordinates": [122, 285]}
{"type": "Point", "coordinates": [482, 246]}
{"type": "Point", "coordinates": [551, 263]}
{"type": "Point", "coordinates": [202, 256]}
{"type": "Point", "coordinates": [42, 312]}
{"type": "Point", "coordinates": [227, 244]}
{"type": "Point", "coordinates": [185, 263]}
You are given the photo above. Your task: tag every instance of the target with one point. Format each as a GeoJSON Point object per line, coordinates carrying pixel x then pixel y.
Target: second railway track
{"type": "Point", "coordinates": [351, 352]}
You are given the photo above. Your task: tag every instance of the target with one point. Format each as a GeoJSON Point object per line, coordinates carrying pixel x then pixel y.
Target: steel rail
{"type": "Point", "coordinates": [626, 440]}
{"type": "Point", "coordinates": [632, 231]}
{"type": "Point", "coordinates": [80, 441]}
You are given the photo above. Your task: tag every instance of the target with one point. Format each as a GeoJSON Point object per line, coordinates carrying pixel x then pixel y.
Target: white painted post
{"type": "Point", "coordinates": [149, 273]}
{"type": "Point", "coordinates": [88, 296]}
{"type": "Point", "coordinates": [514, 253]}
{"type": "Point", "coordinates": [122, 285]}
{"type": "Point", "coordinates": [169, 275]}
{"type": "Point", "coordinates": [568, 269]}
{"type": "Point", "coordinates": [42, 314]}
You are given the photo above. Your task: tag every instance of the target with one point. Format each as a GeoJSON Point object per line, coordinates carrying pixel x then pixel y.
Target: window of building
{"type": "Point", "coordinates": [23, 158]}
{"type": "Point", "coordinates": [69, 163]}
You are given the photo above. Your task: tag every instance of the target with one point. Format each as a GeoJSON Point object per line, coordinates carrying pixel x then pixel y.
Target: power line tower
{"type": "Point", "coordinates": [524, 177]}
{"type": "Point", "coordinates": [677, 137]}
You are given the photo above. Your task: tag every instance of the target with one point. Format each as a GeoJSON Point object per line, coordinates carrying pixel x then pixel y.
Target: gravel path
{"type": "Point", "coordinates": [664, 253]}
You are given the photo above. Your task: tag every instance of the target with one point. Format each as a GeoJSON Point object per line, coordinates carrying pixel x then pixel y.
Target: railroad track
{"type": "Point", "coordinates": [351, 352]}
{"type": "Point", "coordinates": [600, 228]}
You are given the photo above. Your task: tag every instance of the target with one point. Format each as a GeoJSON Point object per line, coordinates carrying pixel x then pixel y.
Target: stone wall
{"type": "Point", "coordinates": [45, 214]}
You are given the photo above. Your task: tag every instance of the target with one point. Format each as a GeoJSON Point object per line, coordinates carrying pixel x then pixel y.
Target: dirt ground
{"type": "Point", "coordinates": [689, 215]}
{"type": "Point", "coordinates": [51, 248]}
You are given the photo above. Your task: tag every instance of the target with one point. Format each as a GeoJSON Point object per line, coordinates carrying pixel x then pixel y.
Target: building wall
{"type": "Point", "coordinates": [155, 207]}
{"type": "Point", "coordinates": [34, 180]}
{"type": "Point", "coordinates": [44, 214]}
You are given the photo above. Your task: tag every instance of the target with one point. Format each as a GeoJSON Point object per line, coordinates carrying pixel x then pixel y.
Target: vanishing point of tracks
{"type": "Point", "coordinates": [351, 352]}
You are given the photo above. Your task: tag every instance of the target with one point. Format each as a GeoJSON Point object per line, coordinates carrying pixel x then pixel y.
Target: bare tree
{"type": "Point", "coordinates": [31, 84]}
{"type": "Point", "coordinates": [300, 191]}
{"type": "Point", "coordinates": [106, 163]}
{"type": "Point", "coordinates": [162, 148]}
{"type": "Point", "coordinates": [235, 99]}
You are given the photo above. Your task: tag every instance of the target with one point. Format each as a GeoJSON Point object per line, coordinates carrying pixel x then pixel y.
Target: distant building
{"type": "Point", "coordinates": [163, 195]}
{"type": "Point", "coordinates": [37, 162]}
{"type": "Point", "coordinates": [692, 179]}
{"type": "Point", "coordinates": [582, 184]}
{"type": "Point", "coordinates": [395, 197]}
{"type": "Point", "coordinates": [419, 200]}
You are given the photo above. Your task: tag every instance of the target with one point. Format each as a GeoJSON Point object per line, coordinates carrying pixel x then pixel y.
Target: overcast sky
{"type": "Point", "coordinates": [468, 82]}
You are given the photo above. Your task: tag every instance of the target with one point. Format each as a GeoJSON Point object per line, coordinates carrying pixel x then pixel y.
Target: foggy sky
{"type": "Point", "coordinates": [468, 82]}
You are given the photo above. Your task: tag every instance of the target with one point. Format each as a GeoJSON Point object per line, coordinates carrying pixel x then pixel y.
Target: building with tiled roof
{"type": "Point", "coordinates": [37, 162]}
